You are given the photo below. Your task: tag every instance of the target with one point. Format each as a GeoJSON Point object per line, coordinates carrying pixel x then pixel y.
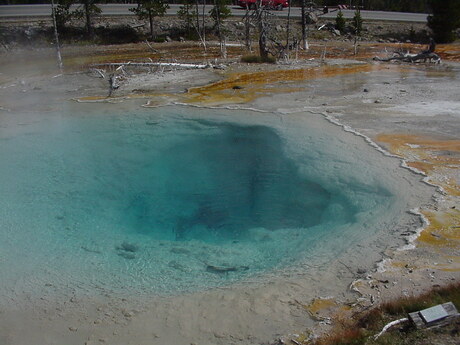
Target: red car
{"type": "Point", "coordinates": [271, 4]}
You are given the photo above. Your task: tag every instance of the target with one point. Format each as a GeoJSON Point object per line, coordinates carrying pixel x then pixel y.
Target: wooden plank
{"type": "Point", "coordinates": [449, 313]}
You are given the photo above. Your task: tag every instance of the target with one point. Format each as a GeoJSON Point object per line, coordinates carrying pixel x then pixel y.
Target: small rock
{"type": "Point", "coordinates": [361, 271]}
{"type": "Point", "coordinates": [127, 313]}
{"type": "Point", "coordinates": [97, 322]}
{"type": "Point", "coordinates": [365, 90]}
{"type": "Point", "coordinates": [237, 87]}
{"type": "Point", "coordinates": [73, 329]}
{"type": "Point", "coordinates": [73, 300]}
{"type": "Point", "coordinates": [377, 101]}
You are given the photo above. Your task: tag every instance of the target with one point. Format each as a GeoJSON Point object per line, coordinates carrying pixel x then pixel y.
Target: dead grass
{"type": "Point", "coordinates": [360, 329]}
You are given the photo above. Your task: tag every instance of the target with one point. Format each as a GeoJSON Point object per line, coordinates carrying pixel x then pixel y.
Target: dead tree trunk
{"type": "Point", "coordinates": [222, 44]}
{"type": "Point", "coordinates": [304, 26]}
{"type": "Point", "coordinates": [56, 37]}
{"type": "Point", "coordinates": [427, 54]}
{"type": "Point", "coordinates": [89, 25]}
{"type": "Point", "coordinates": [262, 21]}
{"type": "Point", "coordinates": [203, 26]}
{"type": "Point", "coordinates": [411, 57]}
{"type": "Point", "coordinates": [151, 23]}
{"type": "Point", "coordinates": [288, 28]}
{"type": "Point", "coordinates": [247, 30]}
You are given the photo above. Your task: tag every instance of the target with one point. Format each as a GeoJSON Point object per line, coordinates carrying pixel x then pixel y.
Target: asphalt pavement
{"type": "Point", "coordinates": [17, 11]}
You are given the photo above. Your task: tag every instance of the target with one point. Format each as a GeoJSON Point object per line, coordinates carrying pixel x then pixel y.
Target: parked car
{"type": "Point", "coordinates": [271, 4]}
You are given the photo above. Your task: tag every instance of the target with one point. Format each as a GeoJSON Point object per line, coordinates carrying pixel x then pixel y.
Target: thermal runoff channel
{"type": "Point", "coordinates": [178, 199]}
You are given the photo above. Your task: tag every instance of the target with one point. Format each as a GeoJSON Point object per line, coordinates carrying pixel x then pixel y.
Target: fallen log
{"type": "Point", "coordinates": [411, 57]}
{"type": "Point", "coordinates": [153, 64]}
{"type": "Point", "coordinates": [427, 54]}
{"type": "Point", "coordinates": [389, 325]}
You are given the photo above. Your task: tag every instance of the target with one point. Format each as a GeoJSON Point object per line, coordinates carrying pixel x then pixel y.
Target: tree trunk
{"type": "Point", "coordinates": [304, 27]}
{"type": "Point", "coordinates": [56, 36]}
{"type": "Point", "coordinates": [223, 48]}
{"type": "Point", "coordinates": [204, 24]}
{"type": "Point", "coordinates": [263, 51]}
{"type": "Point", "coordinates": [247, 30]}
{"type": "Point", "coordinates": [288, 28]}
{"type": "Point", "coordinates": [151, 23]}
{"type": "Point", "coordinates": [89, 26]}
{"type": "Point", "coordinates": [198, 17]}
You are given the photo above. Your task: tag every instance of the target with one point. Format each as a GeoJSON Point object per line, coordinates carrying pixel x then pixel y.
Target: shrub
{"type": "Point", "coordinates": [257, 59]}
{"type": "Point", "coordinates": [117, 34]}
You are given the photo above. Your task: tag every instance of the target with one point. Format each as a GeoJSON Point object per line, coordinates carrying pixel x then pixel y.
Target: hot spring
{"type": "Point", "coordinates": [179, 199]}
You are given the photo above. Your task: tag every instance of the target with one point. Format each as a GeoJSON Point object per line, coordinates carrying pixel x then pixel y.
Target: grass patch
{"type": "Point", "coordinates": [429, 299]}
{"type": "Point", "coordinates": [350, 336]}
{"type": "Point", "coordinates": [257, 59]}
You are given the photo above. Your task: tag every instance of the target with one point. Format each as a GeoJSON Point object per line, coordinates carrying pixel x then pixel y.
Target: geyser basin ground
{"type": "Point", "coordinates": [170, 200]}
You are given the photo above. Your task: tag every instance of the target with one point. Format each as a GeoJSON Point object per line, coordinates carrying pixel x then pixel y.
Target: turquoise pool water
{"type": "Point", "coordinates": [178, 199]}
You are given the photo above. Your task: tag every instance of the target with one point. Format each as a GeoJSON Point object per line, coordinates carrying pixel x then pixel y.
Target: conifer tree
{"type": "Point", "coordinates": [444, 20]}
{"type": "Point", "coordinates": [357, 22]}
{"type": "Point", "coordinates": [340, 22]}
{"type": "Point", "coordinates": [150, 9]}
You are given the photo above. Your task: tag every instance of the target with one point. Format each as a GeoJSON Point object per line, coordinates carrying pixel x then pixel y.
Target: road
{"type": "Point", "coordinates": [123, 9]}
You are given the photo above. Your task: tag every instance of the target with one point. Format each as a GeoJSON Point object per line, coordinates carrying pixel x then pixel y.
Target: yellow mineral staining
{"type": "Point", "coordinates": [450, 52]}
{"type": "Point", "coordinates": [439, 159]}
{"type": "Point", "coordinates": [453, 264]}
{"type": "Point", "coordinates": [444, 228]}
{"type": "Point", "coordinates": [402, 264]}
{"type": "Point", "coordinates": [244, 87]}
{"type": "Point", "coordinates": [90, 99]}
{"type": "Point", "coordinates": [320, 304]}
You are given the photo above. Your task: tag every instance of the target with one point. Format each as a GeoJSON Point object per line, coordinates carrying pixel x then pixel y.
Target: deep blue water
{"type": "Point", "coordinates": [163, 201]}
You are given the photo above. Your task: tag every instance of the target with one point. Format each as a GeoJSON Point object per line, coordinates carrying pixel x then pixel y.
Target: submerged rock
{"type": "Point", "coordinates": [225, 269]}
{"type": "Point", "coordinates": [127, 255]}
{"type": "Point", "coordinates": [128, 247]}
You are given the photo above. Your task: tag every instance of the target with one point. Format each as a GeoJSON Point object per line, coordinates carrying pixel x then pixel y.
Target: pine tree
{"type": "Point", "coordinates": [219, 12]}
{"type": "Point", "coordinates": [150, 9]}
{"type": "Point", "coordinates": [340, 22]}
{"type": "Point", "coordinates": [444, 20]}
{"type": "Point", "coordinates": [357, 22]}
